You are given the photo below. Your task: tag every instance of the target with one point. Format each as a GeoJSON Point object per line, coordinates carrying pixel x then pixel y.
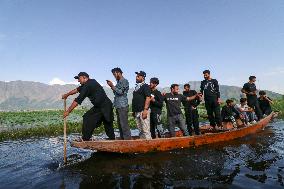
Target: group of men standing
{"type": "Point", "coordinates": [147, 105]}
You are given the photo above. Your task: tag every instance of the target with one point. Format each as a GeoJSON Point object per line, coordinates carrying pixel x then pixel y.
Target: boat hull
{"type": "Point", "coordinates": [166, 144]}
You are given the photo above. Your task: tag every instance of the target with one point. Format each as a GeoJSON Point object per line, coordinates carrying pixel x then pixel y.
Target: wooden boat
{"type": "Point", "coordinates": [165, 144]}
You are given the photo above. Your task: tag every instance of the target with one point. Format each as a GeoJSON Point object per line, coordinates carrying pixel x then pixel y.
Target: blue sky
{"type": "Point", "coordinates": [174, 40]}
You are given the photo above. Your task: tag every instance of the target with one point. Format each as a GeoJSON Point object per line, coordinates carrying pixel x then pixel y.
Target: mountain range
{"type": "Point", "coordinates": [27, 95]}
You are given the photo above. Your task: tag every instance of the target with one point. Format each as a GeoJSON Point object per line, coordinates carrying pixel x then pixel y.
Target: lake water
{"type": "Point", "coordinates": [255, 161]}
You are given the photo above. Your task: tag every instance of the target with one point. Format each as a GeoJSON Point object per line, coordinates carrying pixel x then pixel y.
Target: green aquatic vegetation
{"type": "Point", "coordinates": [278, 105]}
{"type": "Point", "coordinates": [26, 124]}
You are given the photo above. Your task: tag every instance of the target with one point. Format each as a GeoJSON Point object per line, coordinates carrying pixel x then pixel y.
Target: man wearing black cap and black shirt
{"type": "Point", "coordinates": [101, 112]}
{"type": "Point", "coordinates": [140, 105]}
{"type": "Point", "coordinates": [156, 106]}
{"type": "Point", "coordinates": [249, 89]}
{"type": "Point", "coordinates": [191, 112]}
{"type": "Point", "coordinates": [210, 88]}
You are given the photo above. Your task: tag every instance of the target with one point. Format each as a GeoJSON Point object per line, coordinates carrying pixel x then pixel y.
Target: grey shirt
{"type": "Point", "coordinates": [120, 93]}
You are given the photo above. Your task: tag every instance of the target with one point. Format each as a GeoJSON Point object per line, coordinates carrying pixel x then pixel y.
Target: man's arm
{"type": "Point", "coordinates": [217, 88]}
{"type": "Point", "coordinates": [202, 87]}
{"type": "Point", "coordinates": [119, 89]}
{"type": "Point", "coordinates": [74, 91]}
{"type": "Point", "coordinates": [70, 109]}
{"type": "Point", "coordinates": [159, 102]}
{"type": "Point", "coordinates": [191, 98]}
{"type": "Point", "coordinates": [269, 99]}
{"type": "Point", "coordinates": [146, 107]}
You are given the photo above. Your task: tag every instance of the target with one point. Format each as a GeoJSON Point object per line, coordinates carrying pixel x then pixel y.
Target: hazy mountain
{"type": "Point", "coordinates": [26, 95]}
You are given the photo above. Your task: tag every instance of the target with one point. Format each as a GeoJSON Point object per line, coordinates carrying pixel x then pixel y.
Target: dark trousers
{"type": "Point", "coordinates": [253, 103]}
{"type": "Point", "coordinates": [94, 118]}
{"type": "Point", "coordinates": [213, 112]}
{"type": "Point", "coordinates": [179, 121]}
{"type": "Point", "coordinates": [192, 116]}
{"type": "Point", "coordinates": [266, 110]}
{"type": "Point", "coordinates": [155, 120]}
{"type": "Point", "coordinates": [123, 126]}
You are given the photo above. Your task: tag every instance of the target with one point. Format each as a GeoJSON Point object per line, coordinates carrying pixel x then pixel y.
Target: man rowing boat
{"type": "Point", "coordinates": [101, 112]}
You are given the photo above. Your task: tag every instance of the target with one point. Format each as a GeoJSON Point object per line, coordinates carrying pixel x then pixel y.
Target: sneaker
{"type": "Point", "coordinates": [253, 122]}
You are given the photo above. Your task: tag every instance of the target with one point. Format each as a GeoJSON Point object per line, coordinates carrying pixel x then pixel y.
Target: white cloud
{"type": "Point", "coordinates": [277, 71]}
{"type": "Point", "coordinates": [57, 81]}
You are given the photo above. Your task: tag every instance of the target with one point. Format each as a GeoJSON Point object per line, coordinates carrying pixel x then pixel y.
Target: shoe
{"type": "Point", "coordinates": [253, 122]}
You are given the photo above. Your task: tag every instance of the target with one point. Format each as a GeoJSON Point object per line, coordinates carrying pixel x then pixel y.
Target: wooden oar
{"type": "Point", "coordinates": [65, 135]}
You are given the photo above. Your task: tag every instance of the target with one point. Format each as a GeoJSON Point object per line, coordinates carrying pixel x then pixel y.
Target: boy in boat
{"type": "Point", "coordinates": [156, 106]}
{"type": "Point", "coordinates": [210, 89]}
{"type": "Point", "coordinates": [173, 101]}
{"type": "Point", "coordinates": [191, 112]}
{"type": "Point", "coordinates": [265, 103]}
{"type": "Point", "coordinates": [229, 113]}
{"type": "Point", "coordinates": [101, 112]}
{"type": "Point", "coordinates": [140, 105]}
{"type": "Point", "coordinates": [245, 111]}
{"type": "Point", "coordinates": [249, 89]}
{"type": "Point", "coordinates": [120, 102]}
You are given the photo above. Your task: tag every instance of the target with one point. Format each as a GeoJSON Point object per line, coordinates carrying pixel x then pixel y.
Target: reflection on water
{"type": "Point", "coordinates": [252, 162]}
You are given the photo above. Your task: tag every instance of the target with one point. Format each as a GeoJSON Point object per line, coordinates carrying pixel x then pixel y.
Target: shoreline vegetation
{"type": "Point", "coordinates": [46, 123]}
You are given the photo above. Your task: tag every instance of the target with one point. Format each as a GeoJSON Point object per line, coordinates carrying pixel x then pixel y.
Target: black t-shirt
{"type": "Point", "coordinates": [139, 98]}
{"type": "Point", "coordinates": [210, 89]}
{"type": "Point", "coordinates": [189, 104]}
{"type": "Point", "coordinates": [156, 107]}
{"type": "Point", "coordinates": [173, 102]}
{"type": "Point", "coordinates": [264, 104]}
{"type": "Point", "coordinates": [94, 91]}
{"type": "Point", "coordinates": [227, 111]}
{"type": "Point", "coordinates": [250, 87]}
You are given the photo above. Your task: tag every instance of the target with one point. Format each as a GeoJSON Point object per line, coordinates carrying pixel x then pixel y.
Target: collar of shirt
{"type": "Point", "coordinates": [139, 85]}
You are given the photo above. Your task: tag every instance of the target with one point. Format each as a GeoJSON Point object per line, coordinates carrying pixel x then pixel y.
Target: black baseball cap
{"type": "Point", "coordinates": [141, 73]}
{"type": "Point", "coordinates": [81, 74]}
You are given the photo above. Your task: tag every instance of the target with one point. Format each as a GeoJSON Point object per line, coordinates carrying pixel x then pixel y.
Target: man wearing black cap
{"type": "Point", "coordinates": [249, 89]}
{"type": "Point", "coordinates": [140, 105]}
{"type": "Point", "coordinates": [120, 102]}
{"type": "Point", "coordinates": [156, 106]}
{"type": "Point", "coordinates": [210, 88]}
{"type": "Point", "coordinates": [101, 112]}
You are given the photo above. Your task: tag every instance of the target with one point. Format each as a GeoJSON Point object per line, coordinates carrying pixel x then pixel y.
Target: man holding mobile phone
{"type": "Point", "coordinates": [120, 102]}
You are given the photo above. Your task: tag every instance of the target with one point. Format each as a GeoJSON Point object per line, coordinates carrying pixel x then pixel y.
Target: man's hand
{"type": "Point", "coordinates": [199, 95]}
{"type": "Point", "coordinates": [65, 114]}
{"type": "Point", "coordinates": [153, 99]}
{"type": "Point", "coordinates": [144, 114]}
{"type": "Point", "coordinates": [110, 83]}
{"type": "Point", "coordinates": [219, 100]}
{"type": "Point", "coordinates": [65, 96]}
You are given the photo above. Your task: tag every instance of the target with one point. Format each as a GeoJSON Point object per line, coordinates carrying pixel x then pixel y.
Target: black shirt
{"type": "Point", "coordinates": [193, 103]}
{"type": "Point", "coordinates": [156, 107]}
{"type": "Point", "coordinates": [139, 98]}
{"type": "Point", "coordinates": [250, 87]}
{"type": "Point", "coordinates": [264, 104]}
{"type": "Point", "coordinates": [94, 91]}
{"type": "Point", "coordinates": [228, 111]}
{"type": "Point", "coordinates": [210, 89]}
{"type": "Point", "coordinates": [173, 102]}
